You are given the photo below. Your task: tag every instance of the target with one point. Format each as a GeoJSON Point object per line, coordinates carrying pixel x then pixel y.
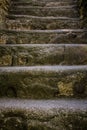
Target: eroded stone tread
{"type": "Point", "coordinates": [44, 3]}
{"type": "Point", "coordinates": [44, 0]}
{"type": "Point", "coordinates": [43, 82]}
{"type": "Point", "coordinates": [44, 36]}
{"type": "Point", "coordinates": [14, 17]}
{"type": "Point", "coordinates": [44, 23]}
{"type": "Point", "coordinates": [43, 54]}
{"type": "Point", "coordinates": [46, 11]}
{"type": "Point", "coordinates": [64, 104]}
{"type": "Point", "coordinates": [43, 115]}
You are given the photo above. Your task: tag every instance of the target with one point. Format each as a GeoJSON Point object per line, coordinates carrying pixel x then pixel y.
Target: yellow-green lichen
{"type": "Point", "coordinates": [65, 89]}
{"type": "Point", "coordinates": [5, 60]}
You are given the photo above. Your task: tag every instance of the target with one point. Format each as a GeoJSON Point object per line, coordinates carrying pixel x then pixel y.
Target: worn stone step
{"type": "Point", "coordinates": [43, 82]}
{"type": "Point", "coordinates": [43, 36]}
{"type": "Point", "coordinates": [43, 115]}
{"type": "Point", "coordinates": [45, 54]}
{"type": "Point", "coordinates": [16, 17]}
{"type": "Point", "coordinates": [44, 0]}
{"type": "Point", "coordinates": [42, 23]}
{"type": "Point", "coordinates": [68, 11]}
{"type": "Point", "coordinates": [43, 3]}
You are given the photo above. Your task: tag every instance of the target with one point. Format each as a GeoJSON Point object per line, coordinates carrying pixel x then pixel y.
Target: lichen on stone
{"type": "Point", "coordinates": [65, 89]}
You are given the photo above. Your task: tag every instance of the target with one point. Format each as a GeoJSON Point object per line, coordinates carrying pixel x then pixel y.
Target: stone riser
{"type": "Point", "coordinates": [46, 82]}
{"type": "Point", "coordinates": [44, 0]}
{"type": "Point", "coordinates": [43, 36]}
{"type": "Point", "coordinates": [42, 23]}
{"type": "Point", "coordinates": [47, 11]}
{"type": "Point", "coordinates": [21, 55]}
{"type": "Point", "coordinates": [43, 115]}
{"type": "Point", "coordinates": [44, 3]}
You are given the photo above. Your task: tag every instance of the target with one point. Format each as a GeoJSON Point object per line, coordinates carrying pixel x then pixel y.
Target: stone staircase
{"type": "Point", "coordinates": [43, 67]}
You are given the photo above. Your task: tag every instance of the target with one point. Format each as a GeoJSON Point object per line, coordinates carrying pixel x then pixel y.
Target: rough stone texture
{"type": "Point", "coordinates": [45, 11]}
{"type": "Point", "coordinates": [2, 38]}
{"type": "Point", "coordinates": [43, 82]}
{"type": "Point", "coordinates": [4, 4]}
{"type": "Point", "coordinates": [82, 10]}
{"type": "Point", "coordinates": [21, 55]}
{"type": "Point", "coordinates": [42, 23]}
{"type": "Point", "coordinates": [44, 36]}
{"type": "Point", "coordinates": [45, 0]}
{"type": "Point", "coordinates": [43, 115]}
{"type": "Point", "coordinates": [44, 3]}
{"type": "Point", "coordinates": [5, 60]}
{"type": "Point", "coordinates": [78, 53]}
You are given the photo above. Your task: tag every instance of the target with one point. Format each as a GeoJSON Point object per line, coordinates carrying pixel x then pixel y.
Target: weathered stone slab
{"type": "Point", "coordinates": [46, 54]}
{"type": "Point", "coordinates": [43, 0]}
{"type": "Point", "coordinates": [44, 3]}
{"type": "Point", "coordinates": [45, 11]}
{"type": "Point", "coordinates": [75, 54]}
{"type": "Point", "coordinates": [44, 36]}
{"type": "Point", "coordinates": [49, 23]}
{"type": "Point", "coordinates": [43, 115]}
{"type": "Point", "coordinates": [43, 81]}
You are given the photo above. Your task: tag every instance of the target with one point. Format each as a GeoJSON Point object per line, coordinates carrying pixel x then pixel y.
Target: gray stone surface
{"type": "Point", "coordinates": [44, 36]}
{"type": "Point", "coordinates": [43, 115]}
{"type": "Point", "coordinates": [44, 105]}
{"type": "Point", "coordinates": [45, 11]}
{"type": "Point", "coordinates": [43, 82]}
{"type": "Point", "coordinates": [43, 54]}
{"type": "Point", "coordinates": [44, 3]}
{"type": "Point", "coordinates": [65, 84]}
{"type": "Point", "coordinates": [23, 22]}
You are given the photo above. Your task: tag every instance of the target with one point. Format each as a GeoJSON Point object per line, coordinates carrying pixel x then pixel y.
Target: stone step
{"type": "Point", "coordinates": [43, 36]}
{"type": "Point", "coordinates": [41, 23]}
{"type": "Point", "coordinates": [43, 82]}
{"type": "Point", "coordinates": [43, 3]}
{"type": "Point", "coordinates": [43, 54]}
{"type": "Point", "coordinates": [43, 115]}
{"type": "Point", "coordinates": [68, 11]}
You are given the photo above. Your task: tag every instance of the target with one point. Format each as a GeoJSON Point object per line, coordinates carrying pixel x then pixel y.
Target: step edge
{"type": "Point", "coordinates": [68, 104]}
{"type": "Point", "coordinates": [43, 45]}
{"type": "Point", "coordinates": [44, 31]}
{"type": "Point", "coordinates": [51, 68]}
{"type": "Point", "coordinates": [48, 17]}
